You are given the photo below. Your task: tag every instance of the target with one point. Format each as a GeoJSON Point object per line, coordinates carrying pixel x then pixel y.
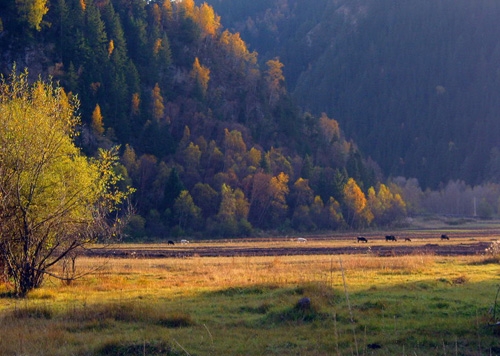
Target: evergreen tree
{"type": "Point", "coordinates": [173, 189]}
{"type": "Point", "coordinates": [186, 211]}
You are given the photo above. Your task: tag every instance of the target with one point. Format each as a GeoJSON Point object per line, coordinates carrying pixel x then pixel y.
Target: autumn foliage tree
{"type": "Point", "coordinates": [53, 200]}
{"type": "Point", "coordinates": [32, 11]}
{"type": "Point", "coordinates": [386, 206]}
{"type": "Point", "coordinates": [275, 79]}
{"type": "Point", "coordinates": [97, 121]}
{"type": "Point", "coordinates": [207, 19]}
{"type": "Point", "coordinates": [201, 75]}
{"type": "Point", "coordinates": [157, 106]}
{"type": "Point", "coordinates": [356, 205]}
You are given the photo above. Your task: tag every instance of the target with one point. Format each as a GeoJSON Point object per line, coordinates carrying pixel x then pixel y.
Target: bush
{"type": "Point", "coordinates": [135, 227]}
{"type": "Point", "coordinates": [178, 320]}
{"type": "Point", "coordinates": [245, 228]}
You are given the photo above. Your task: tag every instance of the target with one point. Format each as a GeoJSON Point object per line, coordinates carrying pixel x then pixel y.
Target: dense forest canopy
{"type": "Point", "coordinates": [414, 83]}
{"type": "Point", "coordinates": [209, 135]}
{"type": "Point", "coordinates": [210, 138]}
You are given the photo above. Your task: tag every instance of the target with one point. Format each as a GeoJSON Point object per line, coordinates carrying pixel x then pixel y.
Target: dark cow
{"type": "Point", "coordinates": [170, 242]}
{"type": "Point", "coordinates": [444, 237]}
{"type": "Point", "coordinates": [407, 239]}
{"type": "Point", "coordinates": [390, 238]}
{"type": "Point", "coordinates": [362, 239]}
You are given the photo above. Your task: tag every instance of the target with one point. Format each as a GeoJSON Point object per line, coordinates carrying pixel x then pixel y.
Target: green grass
{"type": "Point", "coordinates": [409, 305]}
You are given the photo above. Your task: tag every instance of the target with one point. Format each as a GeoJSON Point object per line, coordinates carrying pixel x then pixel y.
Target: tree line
{"type": "Point", "coordinates": [232, 188]}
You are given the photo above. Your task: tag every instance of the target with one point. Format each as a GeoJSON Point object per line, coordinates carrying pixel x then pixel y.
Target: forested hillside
{"type": "Point", "coordinates": [210, 138]}
{"type": "Point", "coordinates": [414, 83]}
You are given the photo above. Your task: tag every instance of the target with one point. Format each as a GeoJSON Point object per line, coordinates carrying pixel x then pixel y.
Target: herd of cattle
{"type": "Point", "coordinates": [393, 238]}
{"type": "Point", "coordinates": [359, 239]}
{"type": "Point", "coordinates": [170, 242]}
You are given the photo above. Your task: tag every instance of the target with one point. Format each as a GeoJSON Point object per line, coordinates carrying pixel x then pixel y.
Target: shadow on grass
{"type": "Point", "coordinates": [155, 348]}
{"type": "Point", "coordinates": [427, 317]}
{"type": "Point", "coordinates": [9, 295]}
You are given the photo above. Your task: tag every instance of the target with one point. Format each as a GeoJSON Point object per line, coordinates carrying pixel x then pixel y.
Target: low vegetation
{"type": "Point", "coordinates": [359, 304]}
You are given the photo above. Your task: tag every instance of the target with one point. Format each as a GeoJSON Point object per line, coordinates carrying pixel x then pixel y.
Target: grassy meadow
{"type": "Point", "coordinates": [360, 304]}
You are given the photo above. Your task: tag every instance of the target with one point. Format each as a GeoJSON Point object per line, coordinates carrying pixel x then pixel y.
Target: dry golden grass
{"type": "Point", "coordinates": [130, 278]}
{"type": "Point", "coordinates": [245, 305]}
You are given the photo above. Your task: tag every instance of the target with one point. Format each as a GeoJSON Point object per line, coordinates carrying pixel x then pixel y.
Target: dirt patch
{"type": "Point", "coordinates": [457, 246]}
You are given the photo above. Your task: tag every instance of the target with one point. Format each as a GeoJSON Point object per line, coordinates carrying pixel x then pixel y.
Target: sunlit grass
{"type": "Point", "coordinates": [414, 304]}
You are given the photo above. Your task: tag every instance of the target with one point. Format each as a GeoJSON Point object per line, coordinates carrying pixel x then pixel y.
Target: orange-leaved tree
{"type": "Point", "coordinates": [358, 213]}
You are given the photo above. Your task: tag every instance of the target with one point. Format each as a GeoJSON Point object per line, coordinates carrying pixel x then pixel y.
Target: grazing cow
{"type": "Point", "coordinates": [301, 239]}
{"type": "Point", "coordinates": [170, 242]}
{"type": "Point", "coordinates": [390, 238]}
{"type": "Point", "coordinates": [362, 239]}
{"type": "Point", "coordinates": [444, 237]}
{"type": "Point", "coordinates": [184, 241]}
{"type": "Point", "coordinates": [407, 239]}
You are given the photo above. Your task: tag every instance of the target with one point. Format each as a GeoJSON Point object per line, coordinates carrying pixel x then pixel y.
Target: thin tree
{"type": "Point", "coordinates": [275, 79]}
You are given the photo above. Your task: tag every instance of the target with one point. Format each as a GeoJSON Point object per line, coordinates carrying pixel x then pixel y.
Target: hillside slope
{"type": "Point", "coordinates": [416, 84]}
{"type": "Point", "coordinates": [210, 138]}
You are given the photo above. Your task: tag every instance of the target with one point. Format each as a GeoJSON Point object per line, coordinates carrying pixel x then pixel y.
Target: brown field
{"type": "Point", "coordinates": [461, 243]}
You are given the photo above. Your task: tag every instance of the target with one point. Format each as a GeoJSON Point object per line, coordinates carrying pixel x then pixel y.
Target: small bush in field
{"type": "Point", "coordinates": [260, 309]}
{"type": "Point", "coordinates": [178, 320]}
{"type": "Point", "coordinates": [295, 314]}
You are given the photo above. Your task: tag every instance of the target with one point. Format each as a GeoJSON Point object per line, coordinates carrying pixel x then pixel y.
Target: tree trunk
{"type": "Point", "coordinates": [25, 282]}
{"type": "Point", "coordinates": [29, 279]}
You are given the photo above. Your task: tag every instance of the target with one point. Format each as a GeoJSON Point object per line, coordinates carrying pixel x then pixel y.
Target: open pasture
{"type": "Point", "coordinates": [247, 303]}
{"type": "Point", "coordinates": [461, 242]}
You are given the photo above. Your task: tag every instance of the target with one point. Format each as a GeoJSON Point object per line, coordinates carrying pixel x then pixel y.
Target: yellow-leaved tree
{"type": "Point", "coordinates": [97, 121]}
{"type": "Point", "coordinates": [275, 79]}
{"type": "Point", "coordinates": [358, 212]}
{"type": "Point", "coordinates": [386, 206]}
{"type": "Point", "coordinates": [53, 199]}
{"type": "Point", "coordinates": [201, 76]}
{"type": "Point", "coordinates": [208, 20]}
{"type": "Point", "coordinates": [32, 11]}
{"type": "Point", "coordinates": [158, 108]}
